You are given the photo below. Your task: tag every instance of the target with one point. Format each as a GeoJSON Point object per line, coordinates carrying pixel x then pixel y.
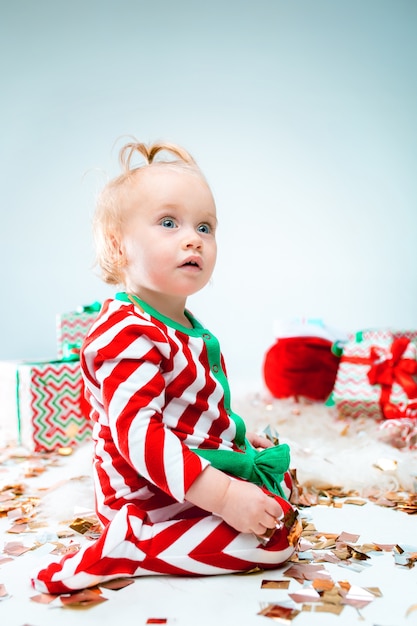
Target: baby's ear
{"type": "Point", "coordinates": [117, 251]}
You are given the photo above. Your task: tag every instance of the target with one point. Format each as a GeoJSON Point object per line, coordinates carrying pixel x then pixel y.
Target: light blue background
{"type": "Point", "coordinates": [302, 114]}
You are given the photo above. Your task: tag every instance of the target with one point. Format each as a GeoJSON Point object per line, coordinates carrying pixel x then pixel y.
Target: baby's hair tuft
{"type": "Point", "coordinates": [150, 152]}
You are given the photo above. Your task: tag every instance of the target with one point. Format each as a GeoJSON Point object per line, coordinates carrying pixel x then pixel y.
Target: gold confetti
{"type": "Point", "coordinates": [83, 525]}
{"type": "Point", "coordinates": [347, 537]}
{"type": "Point", "coordinates": [43, 598]}
{"type": "Point", "coordinates": [117, 583]}
{"type": "Point", "coordinates": [375, 591]}
{"type": "Point", "coordinates": [275, 584]}
{"type": "Point", "coordinates": [61, 549]}
{"type": "Point", "coordinates": [327, 607]}
{"type": "Point", "coordinates": [345, 430]}
{"type": "Point", "coordinates": [249, 572]}
{"type": "Point", "coordinates": [4, 559]}
{"type": "Point", "coordinates": [34, 470]}
{"type": "Point", "coordinates": [277, 611]}
{"type": "Point", "coordinates": [66, 451]}
{"type": "Point", "coordinates": [84, 599]}
{"type": "Point", "coordinates": [321, 584]}
{"type": "Point", "coordinates": [305, 595]}
{"type": "Point", "coordinates": [15, 548]}
{"type": "Point", "coordinates": [19, 527]}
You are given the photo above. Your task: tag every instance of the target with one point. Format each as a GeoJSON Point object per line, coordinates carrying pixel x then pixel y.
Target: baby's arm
{"type": "Point", "coordinates": [244, 506]}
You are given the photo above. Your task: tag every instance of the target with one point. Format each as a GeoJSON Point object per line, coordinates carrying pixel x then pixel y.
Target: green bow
{"type": "Point", "coordinates": [265, 468]}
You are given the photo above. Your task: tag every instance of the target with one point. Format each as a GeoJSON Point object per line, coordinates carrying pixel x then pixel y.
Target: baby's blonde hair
{"type": "Point", "coordinates": [110, 206]}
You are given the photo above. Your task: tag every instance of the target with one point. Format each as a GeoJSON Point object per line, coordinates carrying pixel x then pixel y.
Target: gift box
{"type": "Point", "coordinates": [43, 404]}
{"type": "Point", "coordinates": [377, 375]}
{"type": "Point", "coordinates": [72, 327]}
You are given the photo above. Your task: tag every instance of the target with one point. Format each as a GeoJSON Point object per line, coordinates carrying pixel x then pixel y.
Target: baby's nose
{"type": "Point", "coordinates": [192, 239]}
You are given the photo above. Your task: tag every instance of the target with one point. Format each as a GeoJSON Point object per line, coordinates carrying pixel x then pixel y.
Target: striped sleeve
{"type": "Point", "coordinates": [127, 358]}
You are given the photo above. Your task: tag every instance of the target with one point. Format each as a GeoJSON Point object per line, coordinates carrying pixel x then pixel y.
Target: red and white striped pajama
{"type": "Point", "coordinates": [158, 391]}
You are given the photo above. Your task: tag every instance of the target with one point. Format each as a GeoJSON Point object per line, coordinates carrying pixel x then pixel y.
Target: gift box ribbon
{"type": "Point", "coordinates": [387, 370]}
{"type": "Point", "coordinates": [404, 409]}
{"type": "Point", "coordinates": [394, 369]}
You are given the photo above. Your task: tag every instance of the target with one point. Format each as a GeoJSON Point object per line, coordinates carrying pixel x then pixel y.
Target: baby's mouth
{"type": "Point", "coordinates": [191, 263]}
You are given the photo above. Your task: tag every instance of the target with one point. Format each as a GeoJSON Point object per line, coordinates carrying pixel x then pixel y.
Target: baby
{"type": "Point", "coordinates": [181, 487]}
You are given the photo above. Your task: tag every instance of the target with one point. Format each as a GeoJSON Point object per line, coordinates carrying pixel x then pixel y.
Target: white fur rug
{"type": "Point", "coordinates": [361, 455]}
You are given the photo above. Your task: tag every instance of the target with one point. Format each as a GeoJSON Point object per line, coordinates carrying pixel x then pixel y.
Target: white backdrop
{"type": "Point", "coordinates": [302, 114]}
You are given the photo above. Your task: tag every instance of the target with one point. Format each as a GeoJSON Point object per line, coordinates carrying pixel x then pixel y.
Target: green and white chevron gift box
{"type": "Point", "coordinates": [43, 405]}
{"type": "Point", "coordinates": [72, 327]}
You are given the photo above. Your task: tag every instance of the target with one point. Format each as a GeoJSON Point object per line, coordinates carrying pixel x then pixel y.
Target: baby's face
{"type": "Point", "coordinates": [169, 238]}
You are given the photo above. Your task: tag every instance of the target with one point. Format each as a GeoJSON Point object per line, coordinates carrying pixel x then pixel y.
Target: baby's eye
{"type": "Point", "coordinates": [168, 222]}
{"type": "Point", "coordinates": [204, 228]}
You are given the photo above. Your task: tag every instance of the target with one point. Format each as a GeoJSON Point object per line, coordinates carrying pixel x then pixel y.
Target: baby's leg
{"type": "Point", "coordinates": [130, 546]}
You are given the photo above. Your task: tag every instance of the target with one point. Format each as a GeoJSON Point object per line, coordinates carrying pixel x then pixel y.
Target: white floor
{"type": "Point", "coordinates": [225, 600]}
{"type": "Point", "coordinates": [237, 599]}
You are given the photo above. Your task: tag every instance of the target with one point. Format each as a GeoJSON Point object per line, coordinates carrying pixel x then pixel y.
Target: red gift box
{"type": "Point", "coordinates": [377, 375]}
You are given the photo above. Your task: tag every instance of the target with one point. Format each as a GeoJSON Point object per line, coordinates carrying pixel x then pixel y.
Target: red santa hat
{"type": "Point", "coordinates": [302, 361]}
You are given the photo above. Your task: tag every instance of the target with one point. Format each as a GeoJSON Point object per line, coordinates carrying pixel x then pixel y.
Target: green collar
{"type": "Point", "coordinates": [195, 331]}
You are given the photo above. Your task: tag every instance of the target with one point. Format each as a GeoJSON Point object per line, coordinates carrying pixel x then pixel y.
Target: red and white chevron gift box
{"type": "Point", "coordinates": [43, 405]}
{"type": "Point", "coordinates": [72, 327]}
{"type": "Point", "coordinates": [377, 375]}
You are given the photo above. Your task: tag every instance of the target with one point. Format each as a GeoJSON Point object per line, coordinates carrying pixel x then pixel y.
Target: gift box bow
{"type": "Point", "coordinates": [387, 370]}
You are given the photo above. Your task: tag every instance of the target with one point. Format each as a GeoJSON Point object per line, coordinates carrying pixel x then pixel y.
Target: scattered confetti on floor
{"type": "Point", "coordinates": [21, 503]}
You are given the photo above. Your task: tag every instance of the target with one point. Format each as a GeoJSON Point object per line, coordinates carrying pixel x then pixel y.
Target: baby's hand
{"type": "Point", "coordinates": [258, 441]}
{"type": "Point", "coordinates": [248, 509]}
